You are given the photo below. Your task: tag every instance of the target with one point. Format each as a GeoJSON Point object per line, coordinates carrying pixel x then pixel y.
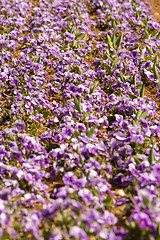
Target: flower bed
{"type": "Point", "coordinates": [79, 140]}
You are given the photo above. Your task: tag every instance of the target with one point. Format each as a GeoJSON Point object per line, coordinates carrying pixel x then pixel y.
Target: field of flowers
{"type": "Point", "coordinates": [79, 138]}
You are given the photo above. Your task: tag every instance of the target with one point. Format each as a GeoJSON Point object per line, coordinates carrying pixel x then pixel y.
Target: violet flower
{"type": "Point", "coordinates": [19, 125]}
{"type": "Point", "coordinates": [78, 232]}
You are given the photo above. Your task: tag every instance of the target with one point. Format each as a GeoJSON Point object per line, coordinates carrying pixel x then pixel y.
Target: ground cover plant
{"type": "Point", "coordinates": [79, 139]}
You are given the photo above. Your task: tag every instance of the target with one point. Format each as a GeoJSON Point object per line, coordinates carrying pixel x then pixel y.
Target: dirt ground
{"type": "Point", "coordinates": [155, 4]}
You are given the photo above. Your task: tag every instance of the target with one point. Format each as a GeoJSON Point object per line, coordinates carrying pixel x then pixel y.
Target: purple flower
{"type": "Point", "coordinates": [149, 74]}
{"type": "Point", "coordinates": [92, 148]}
{"type": "Point", "coordinates": [109, 218]}
{"type": "Point", "coordinates": [139, 139]}
{"type": "Point", "coordinates": [107, 234]}
{"type": "Point", "coordinates": [132, 169]}
{"type": "Point", "coordinates": [80, 127]}
{"type": "Point", "coordinates": [120, 136]}
{"type": "Point", "coordinates": [126, 151]}
{"type": "Point", "coordinates": [78, 232]}
{"type": "Point", "coordinates": [86, 195]}
{"type": "Point", "coordinates": [147, 179]}
{"type": "Point", "coordinates": [59, 138]}
{"type": "Point", "coordinates": [69, 178]}
{"type": "Point", "coordinates": [56, 236]}
{"type": "Point", "coordinates": [142, 219]}
{"type": "Point", "coordinates": [32, 224]}
{"type": "Point", "coordinates": [12, 145]}
{"type": "Point", "coordinates": [63, 192]}
{"type": "Point", "coordinates": [19, 125]}
{"type": "Point", "coordinates": [121, 201]}
{"type": "Point", "coordinates": [5, 194]}
{"type": "Point", "coordinates": [79, 183]}
{"type": "Point", "coordinates": [1, 232]}
{"type": "Point", "coordinates": [16, 154]}
{"type": "Point", "coordinates": [67, 132]}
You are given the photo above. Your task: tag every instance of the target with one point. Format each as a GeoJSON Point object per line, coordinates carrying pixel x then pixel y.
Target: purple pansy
{"type": "Point", "coordinates": [79, 183]}
{"type": "Point", "coordinates": [86, 195]}
{"type": "Point", "coordinates": [78, 233]}
{"type": "Point", "coordinates": [19, 125]}
{"type": "Point", "coordinates": [67, 132]}
{"type": "Point", "coordinates": [142, 219]}
{"type": "Point", "coordinates": [69, 178]}
{"type": "Point", "coordinates": [126, 151]}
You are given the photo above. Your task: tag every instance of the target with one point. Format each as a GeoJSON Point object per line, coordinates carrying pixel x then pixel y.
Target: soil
{"type": "Point", "coordinates": [155, 4]}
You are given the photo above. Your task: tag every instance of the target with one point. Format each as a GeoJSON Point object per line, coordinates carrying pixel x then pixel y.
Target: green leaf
{"type": "Point", "coordinates": [147, 203]}
{"type": "Point", "coordinates": [80, 156]}
{"type": "Point", "coordinates": [119, 40]}
{"type": "Point", "coordinates": [81, 160]}
{"type": "Point", "coordinates": [70, 28]}
{"type": "Point", "coordinates": [91, 132]}
{"type": "Point", "coordinates": [156, 75]}
{"type": "Point", "coordinates": [132, 96]}
{"type": "Point", "coordinates": [95, 192]}
{"type": "Point", "coordinates": [158, 35]}
{"type": "Point", "coordinates": [137, 160]}
{"type": "Point", "coordinates": [158, 232]}
{"type": "Point", "coordinates": [149, 50]}
{"type": "Point", "coordinates": [7, 111]}
{"type": "Point", "coordinates": [134, 79]}
{"type": "Point", "coordinates": [109, 56]}
{"type": "Point", "coordinates": [82, 37]}
{"type": "Point", "coordinates": [41, 85]}
{"type": "Point", "coordinates": [138, 114]}
{"type": "Point", "coordinates": [40, 110]}
{"type": "Point", "coordinates": [107, 202]}
{"type": "Point", "coordinates": [79, 70]}
{"type": "Point", "coordinates": [137, 15]}
{"type": "Point", "coordinates": [77, 11]}
{"type": "Point", "coordinates": [38, 59]}
{"type": "Point", "coordinates": [77, 103]}
{"type": "Point", "coordinates": [139, 86]}
{"type": "Point", "coordinates": [114, 25]}
{"type": "Point", "coordinates": [86, 114]}
{"type": "Point", "coordinates": [143, 114]}
{"type": "Point", "coordinates": [109, 41]}
{"type": "Point", "coordinates": [114, 40]}
{"type": "Point", "coordinates": [108, 69]}
{"type": "Point", "coordinates": [148, 36]}
{"type": "Point", "coordinates": [142, 91]}
{"type": "Point", "coordinates": [151, 155]}
{"type": "Point", "coordinates": [156, 61]}
{"type": "Point", "coordinates": [76, 133]}
{"type": "Point", "coordinates": [133, 122]}
{"type": "Point", "coordinates": [122, 78]}
{"type": "Point", "coordinates": [92, 87]}
{"type": "Point", "coordinates": [87, 126]}
{"type": "Point", "coordinates": [46, 114]}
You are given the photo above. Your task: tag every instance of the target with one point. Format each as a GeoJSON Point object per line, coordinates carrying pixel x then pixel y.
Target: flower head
{"type": "Point", "coordinates": [78, 232]}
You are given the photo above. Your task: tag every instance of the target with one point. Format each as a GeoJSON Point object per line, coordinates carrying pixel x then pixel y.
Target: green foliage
{"type": "Point", "coordinates": [77, 103]}
{"type": "Point", "coordinates": [91, 131]}
{"type": "Point", "coordinates": [151, 155]}
{"type": "Point", "coordinates": [92, 87]}
{"type": "Point", "coordinates": [108, 202]}
{"type": "Point", "coordinates": [148, 203]}
{"type": "Point", "coordinates": [158, 232]}
{"type": "Point", "coordinates": [142, 91]}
